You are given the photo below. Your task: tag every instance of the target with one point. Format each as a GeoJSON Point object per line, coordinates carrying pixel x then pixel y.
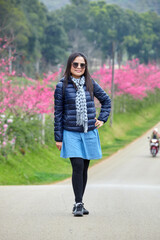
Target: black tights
{"type": "Point", "coordinates": [79, 177]}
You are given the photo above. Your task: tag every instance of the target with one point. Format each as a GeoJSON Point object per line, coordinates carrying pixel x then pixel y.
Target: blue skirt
{"type": "Point", "coordinates": [82, 145]}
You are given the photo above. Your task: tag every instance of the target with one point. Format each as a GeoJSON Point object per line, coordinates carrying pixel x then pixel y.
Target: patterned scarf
{"type": "Point", "coordinates": [81, 105]}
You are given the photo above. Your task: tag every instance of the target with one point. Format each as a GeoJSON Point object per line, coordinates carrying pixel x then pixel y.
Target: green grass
{"type": "Point", "coordinates": [43, 165]}
{"type": "Point", "coordinates": [126, 128]}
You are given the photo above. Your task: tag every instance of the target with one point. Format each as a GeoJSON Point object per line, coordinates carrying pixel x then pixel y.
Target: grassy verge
{"type": "Point", "coordinates": [43, 165]}
{"type": "Point", "coordinates": [127, 127]}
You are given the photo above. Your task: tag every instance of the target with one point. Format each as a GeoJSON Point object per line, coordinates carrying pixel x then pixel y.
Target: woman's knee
{"type": "Point", "coordinates": [77, 165]}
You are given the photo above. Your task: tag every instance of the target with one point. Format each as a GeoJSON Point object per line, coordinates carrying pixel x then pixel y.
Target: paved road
{"type": "Point", "coordinates": [123, 196]}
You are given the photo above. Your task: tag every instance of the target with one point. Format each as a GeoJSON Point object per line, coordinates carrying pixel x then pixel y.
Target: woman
{"type": "Point", "coordinates": [75, 128]}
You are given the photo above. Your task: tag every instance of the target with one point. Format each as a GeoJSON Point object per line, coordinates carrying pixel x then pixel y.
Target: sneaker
{"type": "Point", "coordinates": [74, 208]}
{"type": "Point", "coordinates": [85, 211]}
{"type": "Point", "coordinates": [78, 210]}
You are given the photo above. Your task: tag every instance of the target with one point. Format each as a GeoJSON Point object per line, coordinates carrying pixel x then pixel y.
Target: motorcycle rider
{"type": "Point", "coordinates": [155, 134]}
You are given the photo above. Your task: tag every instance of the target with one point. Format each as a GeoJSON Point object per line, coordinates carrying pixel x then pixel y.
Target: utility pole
{"type": "Point", "coordinates": [112, 86]}
{"type": "Point", "coordinates": [43, 128]}
{"type": "Point", "coordinates": [10, 61]}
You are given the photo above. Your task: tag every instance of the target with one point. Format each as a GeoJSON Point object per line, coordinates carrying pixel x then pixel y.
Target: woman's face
{"type": "Point", "coordinates": [78, 67]}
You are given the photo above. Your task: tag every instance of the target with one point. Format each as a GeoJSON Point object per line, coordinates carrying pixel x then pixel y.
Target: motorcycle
{"type": "Point", "coordinates": [154, 146]}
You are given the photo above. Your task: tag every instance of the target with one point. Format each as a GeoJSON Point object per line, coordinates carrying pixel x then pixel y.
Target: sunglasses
{"type": "Point", "coordinates": [75, 65]}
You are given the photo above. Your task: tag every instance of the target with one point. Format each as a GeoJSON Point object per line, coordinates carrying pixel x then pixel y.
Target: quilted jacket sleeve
{"type": "Point", "coordinates": [58, 112]}
{"type": "Point", "coordinates": [105, 101]}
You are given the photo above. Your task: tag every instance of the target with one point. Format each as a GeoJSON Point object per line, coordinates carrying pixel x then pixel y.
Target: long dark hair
{"type": "Point", "coordinates": [67, 73]}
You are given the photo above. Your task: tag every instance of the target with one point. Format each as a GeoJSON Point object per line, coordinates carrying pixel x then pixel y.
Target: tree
{"type": "Point", "coordinates": [25, 20]}
{"type": "Point", "coordinates": [108, 28]}
{"type": "Point", "coordinates": [56, 40]}
{"type": "Point", "coordinates": [144, 34]}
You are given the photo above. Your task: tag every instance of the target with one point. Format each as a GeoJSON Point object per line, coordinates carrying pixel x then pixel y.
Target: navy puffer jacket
{"type": "Point", "coordinates": [65, 108]}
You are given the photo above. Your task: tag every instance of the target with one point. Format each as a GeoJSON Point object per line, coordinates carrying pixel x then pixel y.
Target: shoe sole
{"type": "Point", "coordinates": [85, 213]}
{"type": "Point", "coordinates": [78, 214]}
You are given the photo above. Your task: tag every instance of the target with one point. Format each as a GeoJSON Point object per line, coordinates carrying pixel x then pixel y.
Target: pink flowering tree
{"type": "Point", "coordinates": [133, 81]}
{"type": "Point", "coordinates": [25, 103]}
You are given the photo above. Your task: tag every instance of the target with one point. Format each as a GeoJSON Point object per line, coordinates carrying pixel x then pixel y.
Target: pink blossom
{"type": "Point", "coordinates": [10, 120]}
{"type": "Point", "coordinates": [134, 79]}
{"type": "Point", "coordinates": [13, 141]}
{"type": "Point", "coordinates": [13, 73]}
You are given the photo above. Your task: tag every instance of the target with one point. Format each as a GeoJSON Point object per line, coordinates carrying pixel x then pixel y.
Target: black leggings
{"type": "Point", "coordinates": [79, 177]}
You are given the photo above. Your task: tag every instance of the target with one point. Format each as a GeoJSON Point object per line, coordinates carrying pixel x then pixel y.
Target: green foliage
{"type": "Point", "coordinates": [79, 2]}
{"type": "Point", "coordinates": [105, 25]}
{"type": "Point", "coordinates": [126, 103]}
{"type": "Point", "coordinates": [55, 41]}
{"type": "Point", "coordinates": [24, 22]}
{"type": "Point", "coordinates": [43, 39]}
{"type": "Point", "coordinates": [49, 130]}
{"type": "Point", "coordinates": [27, 132]}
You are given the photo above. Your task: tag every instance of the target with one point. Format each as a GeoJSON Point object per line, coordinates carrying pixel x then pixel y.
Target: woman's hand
{"type": "Point", "coordinates": [98, 123]}
{"type": "Point", "coordinates": [59, 145]}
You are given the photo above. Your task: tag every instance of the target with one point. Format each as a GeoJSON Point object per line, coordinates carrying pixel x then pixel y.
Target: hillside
{"type": "Point", "coordinates": [137, 5]}
{"type": "Point", "coordinates": [53, 5]}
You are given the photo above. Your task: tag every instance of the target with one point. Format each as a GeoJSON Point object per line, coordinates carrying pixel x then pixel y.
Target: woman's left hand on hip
{"type": "Point", "coordinates": [98, 123]}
